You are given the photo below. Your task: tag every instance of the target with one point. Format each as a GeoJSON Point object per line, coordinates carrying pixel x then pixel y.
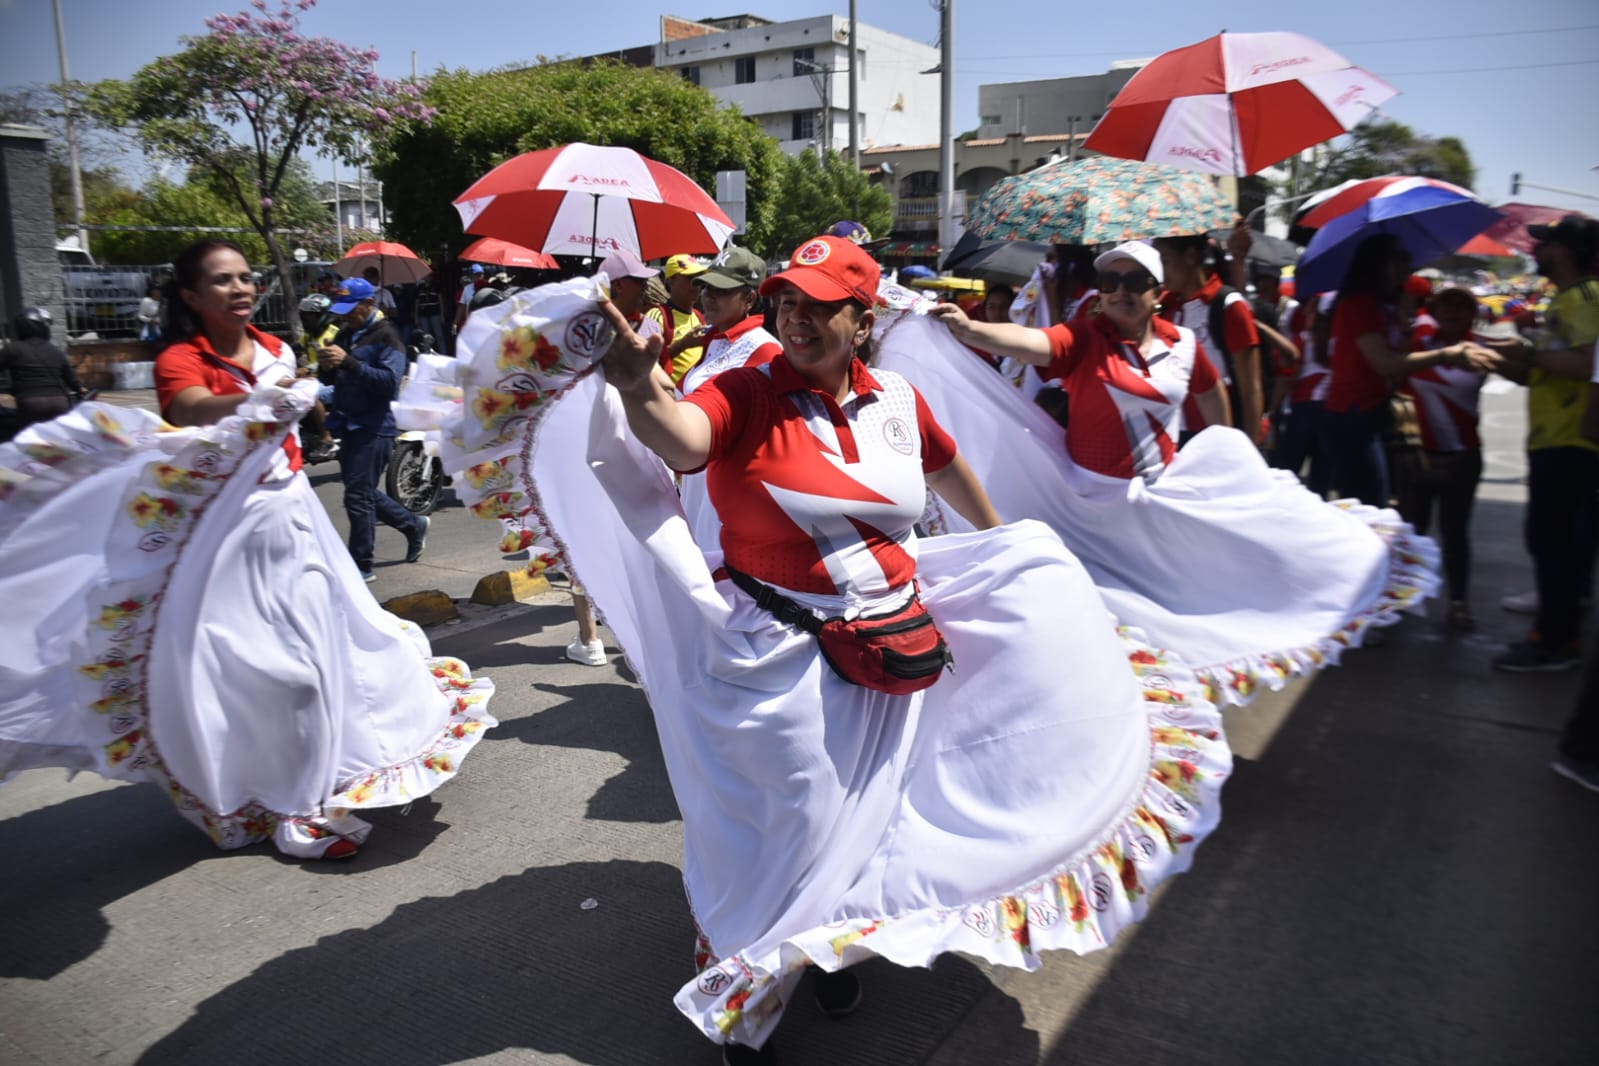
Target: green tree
{"type": "Point", "coordinates": [483, 119]}
{"type": "Point", "coordinates": [1386, 147]}
{"type": "Point", "coordinates": [815, 193]}
{"type": "Point", "coordinates": [204, 201]}
{"type": "Point", "coordinates": [257, 76]}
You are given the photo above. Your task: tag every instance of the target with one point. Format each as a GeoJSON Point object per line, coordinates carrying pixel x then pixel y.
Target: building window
{"type": "Point", "coordinates": [744, 70]}
{"type": "Point", "coordinates": [691, 75]}
{"type": "Point", "coordinates": [804, 128]}
{"type": "Point", "coordinates": [804, 60]}
{"type": "Point", "coordinates": [860, 64]}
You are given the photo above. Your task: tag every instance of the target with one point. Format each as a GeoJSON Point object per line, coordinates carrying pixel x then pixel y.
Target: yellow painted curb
{"type": "Point", "coordinates": [509, 586]}
{"type": "Point", "coordinates": [424, 608]}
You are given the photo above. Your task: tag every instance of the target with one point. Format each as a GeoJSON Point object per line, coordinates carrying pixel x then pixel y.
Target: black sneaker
{"type": "Point", "coordinates": [1528, 657]}
{"type": "Point", "coordinates": [837, 994]}
{"type": "Point", "coordinates": [741, 1055]}
{"type": "Point", "coordinates": [417, 541]}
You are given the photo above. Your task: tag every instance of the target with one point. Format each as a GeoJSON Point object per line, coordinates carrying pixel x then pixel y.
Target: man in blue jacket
{"type": "Point", "coordinates": [367, 362]}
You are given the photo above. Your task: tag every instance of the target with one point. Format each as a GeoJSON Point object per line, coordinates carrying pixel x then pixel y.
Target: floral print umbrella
{"type": "Point", "coordinates": [1100, 200]}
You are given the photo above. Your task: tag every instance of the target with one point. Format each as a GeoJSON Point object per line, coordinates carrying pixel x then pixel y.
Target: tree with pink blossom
{"type": "Point", "coordinates": [255, 82]}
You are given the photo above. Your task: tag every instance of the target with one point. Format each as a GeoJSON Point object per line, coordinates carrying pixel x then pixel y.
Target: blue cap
{"type": "Point", "coordinates": [477, 268]}
{"type": "Point", "coordinates": [851, 231]}
{"type": "Point", "coordinates": [352, 292]}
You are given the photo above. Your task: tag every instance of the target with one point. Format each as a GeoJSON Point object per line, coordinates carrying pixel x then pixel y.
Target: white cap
{"type": "Point", "coordinates": [1141, 252]}
{"type": "Point", "coordinates": [624, 264]}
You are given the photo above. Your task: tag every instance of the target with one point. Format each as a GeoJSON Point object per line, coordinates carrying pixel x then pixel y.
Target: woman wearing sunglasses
{"type": "Point", "coordinates": [1235, 567]}
{"type": "Point", "coordinates": [1127, 371]}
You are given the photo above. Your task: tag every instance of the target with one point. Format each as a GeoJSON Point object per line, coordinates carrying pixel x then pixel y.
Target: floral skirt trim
{"type": "Point", "coordinates": [163, 508]}
{"type": "Point", "coordinates": [1412, 578]}
{"type": "Point", "coordinates": [1080, 905]}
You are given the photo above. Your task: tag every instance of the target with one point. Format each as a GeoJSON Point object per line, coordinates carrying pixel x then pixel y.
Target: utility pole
{"type": "Point", "coordinates": [854, 93]}
{"type": "Point", "coordinates": [946, 141]}
{"type": "Point", "coordinates": [72, 131]}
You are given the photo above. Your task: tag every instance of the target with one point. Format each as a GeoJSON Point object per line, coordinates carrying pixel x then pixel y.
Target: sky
{"type": "Point", "coordinates": [1522, 92]}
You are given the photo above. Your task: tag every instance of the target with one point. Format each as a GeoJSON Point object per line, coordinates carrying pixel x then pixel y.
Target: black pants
{"type": "Point", "coordinates": [1562, 514]}
{"type": "Point", "coordinates": [1448, 479]}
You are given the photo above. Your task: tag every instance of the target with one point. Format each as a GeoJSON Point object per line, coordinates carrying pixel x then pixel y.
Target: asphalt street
{"type": "Point", "coordinates": [1398, 879]}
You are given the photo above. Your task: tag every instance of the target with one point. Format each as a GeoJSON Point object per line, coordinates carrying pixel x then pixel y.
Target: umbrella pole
{"type": "Point", "coordinates": [594, 228]}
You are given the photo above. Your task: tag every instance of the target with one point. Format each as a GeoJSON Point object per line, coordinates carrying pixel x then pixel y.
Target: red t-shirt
{"type": "Point", "coordinates": [1238, 320]}
{"type": "Point", "coordinates": [1356, 384]}
{"type": "Point", "coordinates": [815, 496]}
{"type": "Point", "coordinates": [194, 362]}
{"type": "Point", "coordinates": [1126, 408]}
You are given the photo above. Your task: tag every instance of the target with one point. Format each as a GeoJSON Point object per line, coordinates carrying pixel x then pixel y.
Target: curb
{"type": "Point", "coordinates": [509, 586]}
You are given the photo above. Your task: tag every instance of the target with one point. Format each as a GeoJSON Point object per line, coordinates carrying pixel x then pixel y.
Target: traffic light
{"type": "Point", "coordinates": [1515, 184]}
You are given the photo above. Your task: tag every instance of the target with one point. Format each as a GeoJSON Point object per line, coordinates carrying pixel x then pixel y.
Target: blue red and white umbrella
{"type": "Point", "coordinates": [1431, 219]}
{"type": "Point", "coordinates": [1325, 206]}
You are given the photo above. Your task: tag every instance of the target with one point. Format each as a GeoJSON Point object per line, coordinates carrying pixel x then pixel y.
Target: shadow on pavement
{"type": "Point", "coordinates": [604, 718]}
{"type": "Point", "coordinates": [518, 964]}
{"type": "Point", "coordinates": [1399, 879]}
{"type": "Point", "coordinates": [68, 861]}
{"type": "Point", "coordinates": [73, 859]}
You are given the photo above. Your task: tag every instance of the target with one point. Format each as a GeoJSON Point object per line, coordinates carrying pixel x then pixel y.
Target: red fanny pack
{"type": "Point", "coordinates": [897, 652]}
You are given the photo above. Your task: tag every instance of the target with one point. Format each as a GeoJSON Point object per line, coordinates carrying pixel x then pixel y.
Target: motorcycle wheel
{"type": "Point", "coordinates": [414, 478]}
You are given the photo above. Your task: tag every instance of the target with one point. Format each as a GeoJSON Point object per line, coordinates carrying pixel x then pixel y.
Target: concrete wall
{"type": "Point", "coordinates": [30, 273]}
{"type": "Point", "coordinates": [1047, 106]}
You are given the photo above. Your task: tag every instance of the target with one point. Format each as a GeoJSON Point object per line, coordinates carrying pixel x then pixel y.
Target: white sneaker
{"type": "Point", "coordinates": [590, 654]}
{"type": "Point", "coordinates": [1521, 603]}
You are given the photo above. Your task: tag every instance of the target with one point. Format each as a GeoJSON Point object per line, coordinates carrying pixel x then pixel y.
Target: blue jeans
{"type": "Point", "coordinates": [1352, 442]}
{"type": "Point", "coordinates": [363, 459]}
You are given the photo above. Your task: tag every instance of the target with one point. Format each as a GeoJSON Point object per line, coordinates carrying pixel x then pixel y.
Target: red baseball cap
{"type": "Point", "coordinates": [828, 269]}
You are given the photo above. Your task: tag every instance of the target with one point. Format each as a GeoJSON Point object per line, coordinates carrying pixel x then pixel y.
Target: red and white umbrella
{"type": "Point", "coordinates": [585, 199]}
{"type": "Point", "coordinates": [395, 262]}
{"type": "Point", "coordinates": [1512, 229]}
{"type": "Point", "coordinates": [496, 252]}
{"type": "Point", "coordinates": [1323, 207]}
{"type": "Point", "coordinates": [1237, 103]}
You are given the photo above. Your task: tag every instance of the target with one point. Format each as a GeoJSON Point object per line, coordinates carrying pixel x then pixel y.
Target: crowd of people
{"type": "Point", "coordinates": [811, 482]}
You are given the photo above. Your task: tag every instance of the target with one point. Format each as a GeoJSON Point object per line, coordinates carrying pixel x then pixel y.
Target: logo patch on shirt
{"type": "Point", "coordinates": [588, 334]}
{"type": "Point", "coordinates": [898, 436]}
{"type": "Point", "coordinates": [813, 254]}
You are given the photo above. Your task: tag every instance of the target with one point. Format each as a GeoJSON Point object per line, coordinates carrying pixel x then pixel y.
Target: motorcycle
{"type": "Point", "coordinates": [413, 477]}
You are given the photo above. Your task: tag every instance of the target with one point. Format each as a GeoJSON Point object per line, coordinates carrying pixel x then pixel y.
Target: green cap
{"type": "Point", "coordinates": [735, 268]}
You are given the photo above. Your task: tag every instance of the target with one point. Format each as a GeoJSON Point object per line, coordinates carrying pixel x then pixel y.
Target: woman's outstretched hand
{"type": "Point", "coordinates": [630, 359]}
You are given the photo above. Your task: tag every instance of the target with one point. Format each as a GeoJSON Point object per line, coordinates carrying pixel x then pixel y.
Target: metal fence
{"type": "Point", "coordinates": [102, 302]}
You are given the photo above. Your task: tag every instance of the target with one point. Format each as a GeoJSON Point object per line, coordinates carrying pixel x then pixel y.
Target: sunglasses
{"type": "Point", "coordinates": [1134, 281]}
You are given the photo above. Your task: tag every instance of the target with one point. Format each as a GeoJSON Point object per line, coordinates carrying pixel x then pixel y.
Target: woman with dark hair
{"type": "Point", "coordinates": [1369, 357]}
{"type": "Point", "coordinates": [1446, 469]}
{"type": "Point", "coordinates": [1197, 298]}
{"type": "Point", "coordinates": [209, 632]}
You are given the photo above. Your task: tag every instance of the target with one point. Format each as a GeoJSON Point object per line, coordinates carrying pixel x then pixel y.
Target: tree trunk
{"type": "Point", "coordinates": [291, 299]}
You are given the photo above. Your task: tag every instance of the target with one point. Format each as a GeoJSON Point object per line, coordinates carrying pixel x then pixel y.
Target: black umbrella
{"type": "Point", "coordinates": [1006, 260]}
{"type": "Point", "coordinates": [1270, 253]}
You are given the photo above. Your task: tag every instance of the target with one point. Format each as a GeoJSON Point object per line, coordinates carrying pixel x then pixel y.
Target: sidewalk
{"type": "Point", "coordinates": [1398, 880]}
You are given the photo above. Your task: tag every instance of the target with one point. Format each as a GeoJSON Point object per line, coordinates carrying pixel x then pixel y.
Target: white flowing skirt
{"type": "Point", "coordinates": [172, 618]}
{"type": "Point", "coordinates": [1231, 564]}
{"type": "Point", "coordinates": [1029, 800]}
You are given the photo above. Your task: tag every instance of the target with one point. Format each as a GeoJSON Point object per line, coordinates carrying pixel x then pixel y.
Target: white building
{"type": "Point", "coordinates": [793, 77]}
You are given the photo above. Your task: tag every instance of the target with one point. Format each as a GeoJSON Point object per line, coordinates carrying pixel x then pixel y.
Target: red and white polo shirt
{"type": "Point", "coordinates": [816, 496]}
{"type": "Point", "coordinates": [1126, 408]}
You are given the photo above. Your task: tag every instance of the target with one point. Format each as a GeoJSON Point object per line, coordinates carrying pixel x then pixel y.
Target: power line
{"type": "Point", "coordinates": [1338, 44]}
{"type": "Point", "coordinates": [1488, 70]}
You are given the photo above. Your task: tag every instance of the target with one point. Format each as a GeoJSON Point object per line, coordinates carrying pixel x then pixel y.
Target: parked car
{"type": "Point", "coordinates": [99, 300]}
